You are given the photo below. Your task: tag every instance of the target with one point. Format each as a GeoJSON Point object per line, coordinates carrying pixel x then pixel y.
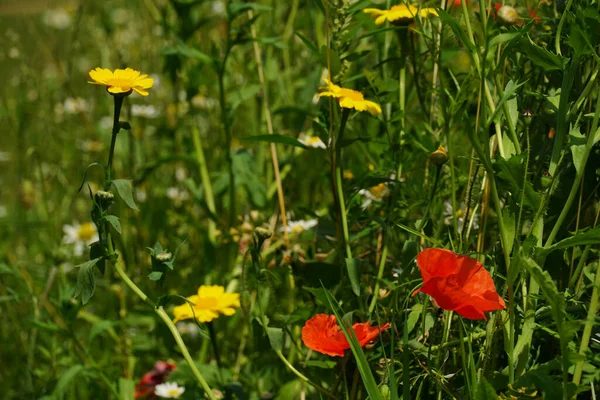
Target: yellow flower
{"type": "Point", "coordinates": [208, 304]}
{"type": "Point", "coordinates": [348, 98]}
{"type": "Point", "coordinates": [400, 14]}
{"type": "Point", "coordinates": [122, 80]}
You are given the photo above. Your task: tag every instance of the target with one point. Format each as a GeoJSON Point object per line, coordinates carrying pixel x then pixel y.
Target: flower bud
{"type": "Point", "coordinates": [163, 257]}
{"type": "Point", "coordinates": [439, 157]}
{"type": "Point", "coordinates": [262, 234]}
{"type": "Point", "coordinates": [508, 15]}
{"type": "Point", "coordinates": [104, 198]}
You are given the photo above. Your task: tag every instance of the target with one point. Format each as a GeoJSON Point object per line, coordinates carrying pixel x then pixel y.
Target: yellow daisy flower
{"type": "Point", "coordinates": [400, 14]}
{"type": "Point", "coordinates": [348, 98]}
{"type": "Point", "coordinates": [121, 80]}
{"type": "Point", "coordinates": [208, 304]}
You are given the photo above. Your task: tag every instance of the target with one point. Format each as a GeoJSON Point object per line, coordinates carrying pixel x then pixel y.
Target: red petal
{"type": "Point", "coordinates": [365, 333]}
{"type": "Point", "coordinates": [322, 334]}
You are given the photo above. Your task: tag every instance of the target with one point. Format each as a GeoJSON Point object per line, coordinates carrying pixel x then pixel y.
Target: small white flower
{"type": "Point", "coordinates": [180, 174]}
{"type": "Point", "coordinates": [177, 194]}
{"type": "Point", "coordinates": [58, 18]}
{"type": "Point", "coordinates": [188, 328]}
{"type": "Point", "coordinates": [80, 236]}
{"type": "Point", "coordinates": [75, 105]}
{"type": "Point", "coordinates": [374, 194]}
{"type": "Point", "coordinates": [4, 156]}
{"type": "Point", "coordinates": [14, 53]}
{"type": "Point", "coordinates": [301, 225]}
{"type": "Point", "coordinates": [169, 390]}
{"type": "Point", "coordinates": [141, 195]}
{"type": "Point", "coordinates": [312, 141]}
{"type": "Point", "coordinates": [144, 111]}
{"type": "Point", "coordinates": [218, 7]}
{"type": "Point", "coordinates": [449, 215]}
{"type": "Point", "coordinates": [3, 211]}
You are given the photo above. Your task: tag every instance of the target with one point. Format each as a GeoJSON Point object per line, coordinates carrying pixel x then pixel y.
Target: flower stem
{"type": "Point", "coordinates": [206, 185]}
{"type": "Point", "coordinates": [338, 182]}
{"type": "Point", "coordinates": [118, 103]}
{"type": "Point", "coordinates": [186, 354]}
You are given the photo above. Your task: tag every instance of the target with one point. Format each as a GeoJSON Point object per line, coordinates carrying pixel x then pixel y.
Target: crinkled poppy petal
{"type": "Point", "coordinates": [322, 334]}
{"type": "Point", "coordinates": [366, 333]}
{"type": "Point", "coordinates": [446, 296]}
{"type": "Point", "coordinates": [438, 263]}
{"type": "Point", "coordinates": [470, 312]}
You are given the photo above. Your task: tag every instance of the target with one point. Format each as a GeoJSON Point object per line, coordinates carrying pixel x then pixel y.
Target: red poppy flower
{"type": "Point", "coordinates": [458, 3]}
{"type": "Point", "coordinates": [145, 387]}
{"type": "Point", "coordinates": [322, 333]}
{"type": "Point", "coordinates": [458, 283]}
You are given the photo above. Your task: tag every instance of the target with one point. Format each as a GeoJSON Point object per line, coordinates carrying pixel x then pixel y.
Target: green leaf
{"type": "Point", "coordinates": [155, 275]}
{"type": "Point", "coordinates": [509, 225]}
{"type": "Point", "coordinates": [319, 364]}
{"type": "Point", "coordinates": [353, 268]}
{"type": "Point", "coordinates": [311, 46]}
{"type": "Point", "coordinates": [85, 175]}
{"type": "Point", "coordinates": [512, 173]}
{"type": "Point", "coordinates": [123, 187]}
{"type": "Point", "coordinates": [361, 361]}
{"type": "Point", "coordinates": [503, 38]}
{"type": "Point", "coordinates": [484, 391]}
{"type": "Point", "coordinates": [188, 51]}
{"type": "Point", "coordinates": [98, 251]}
{"type": "Point", "coordinates": [114, 221]}
{"type": "Point", "coordinates": [275, 138]}
{"type": "Point", "coordinates": [578, 144]}
{"type": "Point", "coordinates": [540, 56]}
{"type": "Point", "coordinates": [100, 327]}
{"type": "Point", "coordinates": [275, 338]}
{"type": "Point", "coordinates": [453, 23]}
{"type": "Point", "coordinates": [64, 382]}
{"type": "Point", "coordinates": [591, 237]}
{"type": "Point", "coordinates": [86, 282]}
{"type": "Point", "coordinates": [126, 389]}
{"type": "Point", "coordinates": [509, 94]}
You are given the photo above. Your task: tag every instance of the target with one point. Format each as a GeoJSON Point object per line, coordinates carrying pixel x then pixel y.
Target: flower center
{"type": "Point", "coordinates": [377, 191]}
{"type": "Point", "coordinates": [122, 83]}
{"type": "Point", "coordinates": [86, 231]}
{"type": "Point", "coordinates": [352, 94]}
{"type": "Point", "coordinates": [173, 392]}
{"type": "Point", "coordinates": [312, 140]}
{"type": "Point", "coordinates": [297, 229]}
{"type": "Point", "coordinates": [452, 280]}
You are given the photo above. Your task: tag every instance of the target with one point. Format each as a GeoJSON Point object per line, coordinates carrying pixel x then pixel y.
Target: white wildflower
{"type": "Point", "coordinates": [312, 141]}
{"type": "Point", "coordinates": [144, 111]}
{"type": "Point", "coordinates": [374, 194]}
{"type": "Point", "coordinates": [169, 390]}
{"type": "Point", "coordinates": [80, 236]}
{"type": "Point", "coordinates": [75, 105]}
{"type": "Point", "coordinates": [301, 225]}
{"type": "Point", "coordinates": [58, 18]}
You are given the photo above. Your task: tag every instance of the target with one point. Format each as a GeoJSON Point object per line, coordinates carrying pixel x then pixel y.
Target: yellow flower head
{"type": "Point", "coordinates": [348, 98]}
{"type": "Point", "coordinates": [121, 80]}
{"type": "Point", "coordinates": [208, 304]}
{"type": "Point", "coordinates": [400, 14]}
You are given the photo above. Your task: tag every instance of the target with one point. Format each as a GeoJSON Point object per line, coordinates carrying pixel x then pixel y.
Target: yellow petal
{"type": "Point", "coordinates": [144, 83]}
{"type": "Point", "coordinates": [139, 91]}
{"type": "Point", "coordinates": [117, 89]}
{"type": "Point", "coordinates": [381, 20]}
{"type": "Point", "coordinates": [101, 74]}
{"type": "Point", "coordinates": [375, 11]}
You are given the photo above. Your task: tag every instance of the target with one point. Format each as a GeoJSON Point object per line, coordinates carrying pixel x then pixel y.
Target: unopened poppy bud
{"type": "Point", "coordinates": [162, 257]}
{"type": "Point", "coordinates": [508, 15]}
{"type": "Point", "coordinates": [546, 180]}
{"type": "Point", "coordinates": [439, 157]}
{"type": "Point", "coordinates": [104, 198]}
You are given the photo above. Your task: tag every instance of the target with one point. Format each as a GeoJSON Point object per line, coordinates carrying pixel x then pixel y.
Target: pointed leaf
{"type": "Point", "coordinates": [124, 190]}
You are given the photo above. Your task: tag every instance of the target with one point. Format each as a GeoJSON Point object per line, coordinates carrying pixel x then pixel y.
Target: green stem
{"type": "Point", "coordinates": [227, 130]}
{"type": "Point", "coordinates": [206, 185]}
{"type": "Point", "coordinates": [186, 354]}
{"type": "Point", "coordinates": [587, 330]}
{"type": "Point", "coordinates": [379, 274]}
{"type": "Point", "coordinates": [560, 27]}
{"type": "Point", "coordinates": [338, 182]}
{"type": "Point", "coordinates": [118, 103]}
{"type": "Point", "coordinates": [578, 176]}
